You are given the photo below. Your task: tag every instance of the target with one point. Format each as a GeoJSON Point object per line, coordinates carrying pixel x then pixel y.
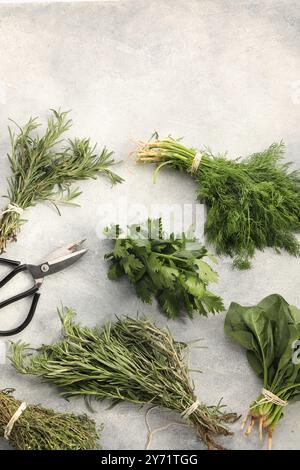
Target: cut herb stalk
{"type": "Point", "coordinates": [37, 428]}
{"type": "Point", "coordinates": [170, 268]}
{"type": "Point", "coordinates": [130, 360]}
{"type": "Point", "coordinates": [252, 203]}
{"type": "Point", "coordinates": [44, 167]}
{"type": "Point", "coordinates": [268, 332]}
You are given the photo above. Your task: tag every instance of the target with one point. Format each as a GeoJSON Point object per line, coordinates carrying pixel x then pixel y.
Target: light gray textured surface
{"type": "Point", "coordinates": [222, 73]}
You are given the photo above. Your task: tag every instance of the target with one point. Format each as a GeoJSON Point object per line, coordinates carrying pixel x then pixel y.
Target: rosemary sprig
{"type": "Point", "coordinates": [43, 168]}
{"type": "Point", "coordinates": [130, 360]}
{"type": "Point", "coordinates": [43, 429]}
{"type": "Point", "coordinates": [252, 203]}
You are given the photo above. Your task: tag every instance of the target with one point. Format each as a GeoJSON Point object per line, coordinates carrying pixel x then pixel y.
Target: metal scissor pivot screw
{"type": "Point", "coordinates": [45, 268]}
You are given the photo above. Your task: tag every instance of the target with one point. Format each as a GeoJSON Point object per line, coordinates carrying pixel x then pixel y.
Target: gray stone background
{"type": "Point", "coordinates": [223, 73]}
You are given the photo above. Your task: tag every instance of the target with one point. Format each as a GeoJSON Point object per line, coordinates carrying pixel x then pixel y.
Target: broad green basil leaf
{"type": "Point", "coordinates": [295, 314]}
{"type": "Point", "coordinates": [255, 363]}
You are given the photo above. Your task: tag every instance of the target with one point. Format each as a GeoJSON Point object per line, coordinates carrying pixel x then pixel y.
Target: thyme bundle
{"type": "Point", "coordinates": [130, 360]}
{"type": "Point", "coordinates": [252, 203]}
{"type": "Point", "coordinates": [37, 428]}
{"type": "Point", "coordinates": [270, 333]}
{"type": "Point", "coordinates": [168, 267]}
{"type": "Point", "coordinates": [43, 168]}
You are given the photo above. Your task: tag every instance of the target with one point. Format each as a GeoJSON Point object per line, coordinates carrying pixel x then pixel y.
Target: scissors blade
{"type": "Point", "coordinates": [67, 256]}
{"type": "Point", "coordinates": [66, 250]}
{"type": "Point", "coordinates": [65, 261]}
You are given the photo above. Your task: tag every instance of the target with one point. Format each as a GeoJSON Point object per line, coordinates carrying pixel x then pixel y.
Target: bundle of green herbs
{"type": "Point", "coordinates": [43, 168]}
{"type": "Point", "coordinates": [31, 427]}
{"type": "Point", "coordinates": [130, 360]}
{"type": "Point", "coordinates": [252, 203]}
{"type": "Point", "coordinates": [270, 333]}
{"type": "Point", "coordinates": [170, 268]}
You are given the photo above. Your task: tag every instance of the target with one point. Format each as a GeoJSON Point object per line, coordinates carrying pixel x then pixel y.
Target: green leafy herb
{"type": "Point", "coordinates": [252, 203]}
{"type": "Point", "coordinates": [39, 428]}
{"type": "Point", "coordinates": [43, 168]}
{"type": "Point", "coordinates": [268, 332]}
{"type": "Point", "coordinates": [171, 269]}
{"type": "Point", "coordinates": [130, 360]}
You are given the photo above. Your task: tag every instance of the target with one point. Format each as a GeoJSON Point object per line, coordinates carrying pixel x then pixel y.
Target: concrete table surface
{"type": "Point", "coordinates": [218, 72]}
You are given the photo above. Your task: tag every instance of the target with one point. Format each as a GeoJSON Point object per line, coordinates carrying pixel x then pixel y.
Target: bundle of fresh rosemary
{"type": "Point", "coordinates": [31, 427]}
{"type": "Point", "coordinates": [168, 267]}
{"type": "Point", "coordinates": [252, 203]}
{"type": "Point", "coordinates": [130, 360]}
{"type": "Point", "coordinates": [43, 169]}
{"type": "Point", "coordinates": [270, 333]}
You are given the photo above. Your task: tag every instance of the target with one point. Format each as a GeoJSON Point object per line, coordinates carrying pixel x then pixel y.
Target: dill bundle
{"type": "Point", "coordinates": [43, 168]}
{"type": "Point", "coordinates": [130, 360]}
{"type": "Point", "coordinates": [252, 203]}
{"type": "Point", "coordinates": [37, 428]}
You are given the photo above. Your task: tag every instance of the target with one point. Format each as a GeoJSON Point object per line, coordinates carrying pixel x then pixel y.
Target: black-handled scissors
{"type": "Point", "coordinates": [56, 261]}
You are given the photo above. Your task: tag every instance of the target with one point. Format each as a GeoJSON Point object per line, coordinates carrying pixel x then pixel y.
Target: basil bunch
{"type": "Point", "coordinates": [269, 332]}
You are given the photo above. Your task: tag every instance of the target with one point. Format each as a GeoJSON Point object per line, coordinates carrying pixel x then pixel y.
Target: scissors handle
{"type": "Point", "coordinates": [22, 295]}
{"type": "Point", "coordinates": [13, 273]}
{"type": "Point", "coordinates": [18, 329]}
{"type": "Point", "coordinates": [9, 261]}
{"type": "Point", "coordinates": [32, 291]}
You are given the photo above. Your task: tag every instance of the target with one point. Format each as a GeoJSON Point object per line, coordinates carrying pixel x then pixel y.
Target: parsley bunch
{"type": "Point", "coordinates": [44, 167]}
{"type": "Point", "coordinates": [252, 203]}
{"type": "Point", "coordinates": [171, 269]}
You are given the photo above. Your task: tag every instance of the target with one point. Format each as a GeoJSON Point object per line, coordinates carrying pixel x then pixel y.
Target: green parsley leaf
{"type": "Point", "coordinates": [169, 268]}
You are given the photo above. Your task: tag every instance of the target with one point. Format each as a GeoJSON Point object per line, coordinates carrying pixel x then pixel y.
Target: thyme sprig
{"type": "Point", "coordinates": [40, 428]}
{"type": "Point", "coordinates": [130, 360]}
{"type": "Point", "coordinates": [44, 167]}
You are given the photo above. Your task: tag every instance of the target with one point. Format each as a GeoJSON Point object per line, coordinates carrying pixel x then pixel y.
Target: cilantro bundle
{"type": "Point", "coordinates": [269, 332]}
{"type": "Point", "coordinates": [252, 203]}
{"type": "Point", "coordinates": [172, 269]}
{"type": "Point", "coordinates": [43, 168]}
{"type": "Point", "coordinates": [31, 427]}
{"type": "Point", "coordinates": [131, 360]}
